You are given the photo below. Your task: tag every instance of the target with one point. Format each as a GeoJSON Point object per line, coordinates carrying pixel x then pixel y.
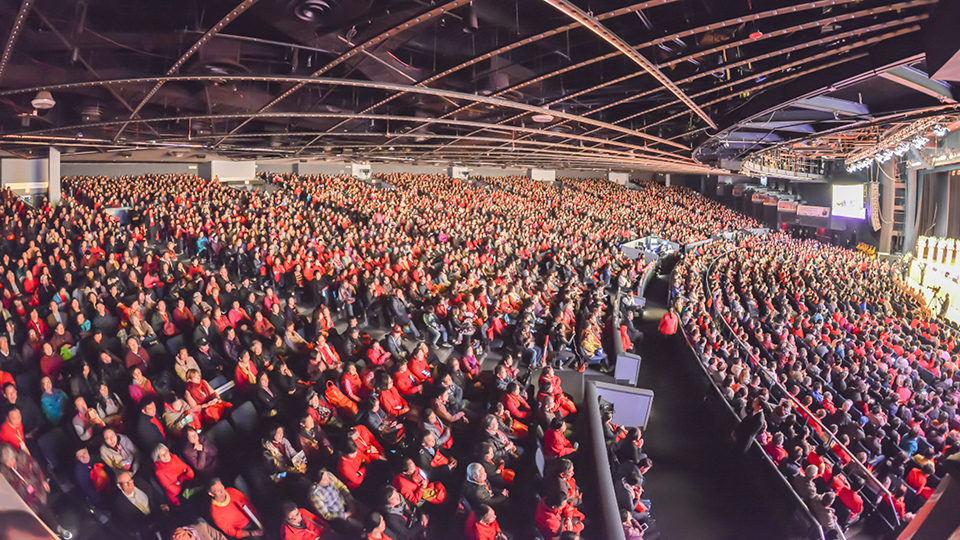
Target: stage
{"type": "Point", "coordinates": [937, 283]}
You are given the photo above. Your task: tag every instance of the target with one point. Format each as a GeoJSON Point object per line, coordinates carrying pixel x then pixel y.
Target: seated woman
{"type": "Point", "coordinates": [245, 375]}
{"type": "Point", "coordinates": [391, 401]}
{"type": "Point", "coordinates": [282, 459]}
{"type": "Point", "coordinates": [323, 412]}
{"type": "Point", "coordinates": [562, 400]}
{"type": "Point", "coordinates": [555, 443]}
{"type": "Point", "coordinates": [203, 399]}
{"type": "Point", "coordinates": [313, 441]}
{"type": "Point", "coordinates": [200, 454]}
{"type": "Point", "coordinates": [508, 424]}
{"type": "Point", "coordinates": [108, 406]}
{"type": "Point", "coordinates": [404, 380]}
{"type": "Point", "coordinates": [140, 386]}
{"type": "Point", "coordinates": [414, 486]}
{"type": "Point", "coordinates": [516, 405]}
{"type": "Point", "coordinates": [267, 398]}
{"type": "Point", "coordinates": [172, 473]}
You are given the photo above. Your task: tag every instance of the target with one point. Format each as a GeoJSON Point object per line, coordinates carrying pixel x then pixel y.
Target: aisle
{"type": "Point", "coordinates": [694, 483]}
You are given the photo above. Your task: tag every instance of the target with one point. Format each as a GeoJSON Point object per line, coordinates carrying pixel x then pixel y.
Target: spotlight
{"type": "Point", "coordinates": [754, 31]}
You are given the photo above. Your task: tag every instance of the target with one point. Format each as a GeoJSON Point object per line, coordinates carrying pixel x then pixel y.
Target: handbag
{"type": "Point", "coordinates": [338, 399]}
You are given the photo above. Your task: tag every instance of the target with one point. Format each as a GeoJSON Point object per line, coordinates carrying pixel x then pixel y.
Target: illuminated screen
{"type": "Point", "coordinates": [848, 201]}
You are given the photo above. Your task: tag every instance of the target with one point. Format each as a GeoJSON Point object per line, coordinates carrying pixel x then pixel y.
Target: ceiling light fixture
{"type": "Point", "coordinates": [44, 100]}
{"type": "Point", "coordinates": [542, 118]}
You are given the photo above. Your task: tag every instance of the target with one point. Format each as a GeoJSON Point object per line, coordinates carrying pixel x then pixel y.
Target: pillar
{"type": "Point", "coordinates": [943, 210]}
{"type": "Point", "coordinates": [910, 212]}
{"type": "Point", "coordinates": [53, 176]}
{"type": "Point", "coordinates": [703, 185]}
{"type": "Point", "coordinates": [888, 176]}
{"type": "Point", "coordinates": [667, 176]}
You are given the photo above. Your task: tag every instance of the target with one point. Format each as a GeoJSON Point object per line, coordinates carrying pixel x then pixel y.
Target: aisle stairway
{"type": "Point", "coordinates": [699, 491]}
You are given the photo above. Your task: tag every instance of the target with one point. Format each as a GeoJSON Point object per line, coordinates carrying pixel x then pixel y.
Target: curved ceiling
{"type": "Point", "coordinates": [552, 83]}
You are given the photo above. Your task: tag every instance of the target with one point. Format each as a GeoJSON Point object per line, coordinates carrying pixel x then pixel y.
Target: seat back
{"type": "Point", "coordinates": [58, 449]}
{"type": "Point", "coordinates": [244, 418]}
{"type": "Point", "coordinates": [222, 435]}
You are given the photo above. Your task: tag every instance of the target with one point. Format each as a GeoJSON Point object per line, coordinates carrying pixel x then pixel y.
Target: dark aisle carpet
{"type": "Point", "coordinates": [695, 485]}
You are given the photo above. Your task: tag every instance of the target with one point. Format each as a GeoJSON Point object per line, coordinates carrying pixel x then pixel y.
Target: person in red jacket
{"type": "Point", "coordinates": [413, 485]}
{"type": "Point", "coordinates": [229, 509]}
{"type": "Point", "coordinates": [300, 524]}
{"type": "Point", "coordinates": [515, 404]}
{"type": "Point", "coordinates": [351, 468]}
{"type": "Point", "coordinates": [482, 525]}
{"type": "Point", "coordinates": [554, 516]}
{"type": "Point", "coordinates": [368, 446]}
{"type": "Point", "coordinates": [172, 473]}
{"type": "Point", "coordinates": [404, 380]}
{"type": "Point", "coordinates": [669, 323]}
{"type": "Point", "coordinates": [11, 431]}
{"type": "Point", "coordinates": [555, 443]}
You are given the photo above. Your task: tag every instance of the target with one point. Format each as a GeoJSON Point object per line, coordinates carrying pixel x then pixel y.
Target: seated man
{"type": "Point", "coordinates": [137, 507]}
{"type": "Point", "coordinates": [231, 510]}
{"type": "Point", "coordinates": [333, 502]}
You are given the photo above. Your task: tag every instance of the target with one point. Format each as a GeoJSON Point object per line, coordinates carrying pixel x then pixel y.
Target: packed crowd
{"type": "Point", "coordinates": [846, 382]}
{"type": "Point", "coordinates": [220, 339]}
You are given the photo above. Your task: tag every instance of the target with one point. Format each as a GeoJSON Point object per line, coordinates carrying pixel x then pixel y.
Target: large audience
{"type": "Point", "coordinates": [833, 366]}
{"type": "Point", "coordinates": [308, 359]}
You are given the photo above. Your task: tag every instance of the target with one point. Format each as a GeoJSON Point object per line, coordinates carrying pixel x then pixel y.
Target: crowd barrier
{"type": "Point", "coordinates": [786, 504]}
{"type": "Point", "coordinates": [606, 512]}
{"type": "Point", "coordinates": [773, 382]}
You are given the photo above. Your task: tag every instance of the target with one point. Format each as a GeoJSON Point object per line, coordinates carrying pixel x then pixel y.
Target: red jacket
{"type": "Point", "coordinates": [556, 444]}
{"type": "Point", "coordinates": [481, 531]}
{"type": "Point", "coordinates": [406, 383]}
{"type": "Point", "coordinates": [230, 517]}
{"type": "Point", "coordinates": [308, 532]}
{"type": "Point", "coordinates": [351, 471]}
{"type": "Point", "coordinates": [172, 475]}
{"type": "Point", "coordinates": [516, 406]}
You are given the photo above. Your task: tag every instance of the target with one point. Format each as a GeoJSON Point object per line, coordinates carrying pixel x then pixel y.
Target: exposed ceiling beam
{"type": "Point", "coordinates": [373, 42]}
{"type": "Point", "coordinates": [917, 80]}
{"type": "Point", "coordinates": [854, 44]}
{"type": "Point", "coordinates": [591, 23]}
{"type": "Point", "coordinates": [213, 31]}
{"type": "Point", "coordinates": [501, 103]}
{"type": "Point", "coordinates": [793, 127]}
{"type": "Point", "coordinates": [507, 48]}
{"type": "Point", "coordinates": [836, 106]}
{"type": "Point", "coordinates": [628, 147]}
{"type": "Point", "coordinates": [66, 43]}
{"type": "Point", "coordinates": [720, 49]}
{"type": "Point", "coordinates": [18, 25]}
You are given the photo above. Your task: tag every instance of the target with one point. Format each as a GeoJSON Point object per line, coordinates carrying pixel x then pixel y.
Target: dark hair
{"type": "Point", "coordinates": [287, 507]}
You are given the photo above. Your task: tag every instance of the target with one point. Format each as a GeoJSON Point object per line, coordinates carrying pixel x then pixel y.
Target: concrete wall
{"type": "Point", "coordinates": [544, 175]}
{"type": "Point", "coordinates": [125, 168]}
{"type": "Point", "coordinates": [25, 176]}
{"type": "Point", "coordinates": [618, 177]}
{"type": "Point", "coordinates": [567, 173]}
{"type": "Point", "coordinates": [275, 168]}
{"type": "Point", "coordinates": [228, 171]}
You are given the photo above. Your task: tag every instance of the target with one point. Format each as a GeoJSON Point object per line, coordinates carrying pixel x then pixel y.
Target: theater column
{"type": "Point", "coordinates": [910, 217]}
{"type": "Point", "coordinates": [53, 176]}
